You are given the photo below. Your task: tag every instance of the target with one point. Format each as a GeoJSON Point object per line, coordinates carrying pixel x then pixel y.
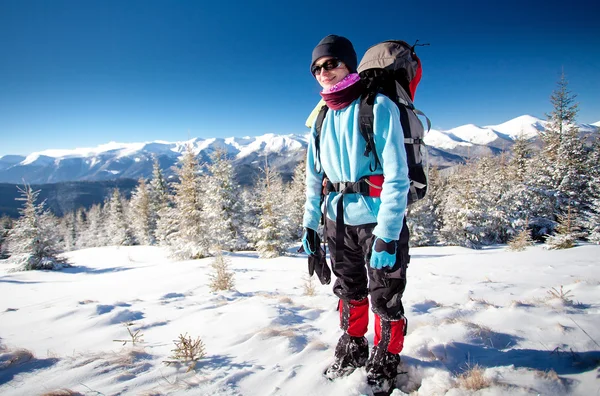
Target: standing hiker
{"type": "Point", "coordinates": [364, 199]}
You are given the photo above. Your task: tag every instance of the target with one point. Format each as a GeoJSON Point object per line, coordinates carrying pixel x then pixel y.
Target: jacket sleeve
{"type": "Point", "coordinates": [389, 143]}
{"type": "Point", "coordinates": [314, 179]}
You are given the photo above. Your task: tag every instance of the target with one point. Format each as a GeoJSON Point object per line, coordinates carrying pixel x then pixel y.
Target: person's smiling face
{"type": "Point", "coordinates": [329, 71]}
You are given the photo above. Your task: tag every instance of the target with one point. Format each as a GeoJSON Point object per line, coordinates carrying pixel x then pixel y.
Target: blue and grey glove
{"type": "Point", "coordinates": [310, 241]}
{"type": "Point", "coordinates": [316, 256]}
{"type": "Point", "coordinates": [383, 253]}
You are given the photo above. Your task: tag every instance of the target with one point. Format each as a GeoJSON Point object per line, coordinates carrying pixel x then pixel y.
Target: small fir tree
{"type": "Point", "coordinates": [80, 227]}
{"type": "Point", "coordinates": [160, 202]}
{"type": "Point", "coordinates": [493, 182]}
{"type": "Point", "coordinates": [535, 200]}
{"type": "Point", "coordinates": [309, 286]}
{"type": "Point", "coordinates": [5, 227]}
{"type": "Point", "coordinates": [566, 234]}
{"type": "Point", "coordinates": [272, 233]}
{"type": "Point", "coordinates": [33, 242]}
{"type": "Point", "coordinates": [141, 216]}
{"type": "Point", "coordinates": [572, 167]}
{"type": "Point", "coordinates": [560, 173]}
{"type": "Point", "coordinates": [93, 232]}
{"type": "Point", "coordinates": [158, 190]}
{"type": "Point", "coordinates": [464, 215]}
{"type": "Point", "coordinates": [521, 240]}
{"type": "Point", "coordinates": [189, 240]}
{"type": "Point", "coordinates": [518, 200]}
{"type": "Point", "coordinates": [117, 227]}
{"type": "Point", "coordinates": [222, 207]}
{"type": "Point", "coordinates": [518, 165]}
{"type": "Point", "coordinates": [68, 231]}
{"type": "Point", "coordinates": [164, 216]}
{"type": "Point", "coordinates": [166, 223]}
{"type": "Point", "coordinates": [560, 119]}
{"type": "Point", "coordinates": [250, 215]}
{"type": "Point", "coordinates": [221, 277]}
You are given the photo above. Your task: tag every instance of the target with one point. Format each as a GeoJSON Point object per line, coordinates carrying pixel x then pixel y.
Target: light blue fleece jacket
{"type": "Point", "coordinates": [342, 158]}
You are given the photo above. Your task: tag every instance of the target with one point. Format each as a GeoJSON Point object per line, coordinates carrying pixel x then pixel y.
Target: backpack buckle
{"type": "Point", "coordinates": [343, 185]}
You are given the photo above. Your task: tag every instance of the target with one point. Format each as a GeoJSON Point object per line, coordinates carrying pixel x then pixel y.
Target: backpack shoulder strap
{"type": "Point", "coordinates": [365, 118]}
{"type": "Point", "coordinates": [319, 120]}
{"type": "Point", "coordinates": [313, 114]}
{"type": "Point", "coordinates": [318, 126]}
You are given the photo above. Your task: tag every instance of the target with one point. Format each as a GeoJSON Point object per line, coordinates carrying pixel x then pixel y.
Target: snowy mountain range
{"type": "Point", "coordinates": [134, 160]}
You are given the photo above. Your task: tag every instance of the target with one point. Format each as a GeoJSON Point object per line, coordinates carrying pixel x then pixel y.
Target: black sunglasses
{"type": "Point", "coordinates": [328, 65]}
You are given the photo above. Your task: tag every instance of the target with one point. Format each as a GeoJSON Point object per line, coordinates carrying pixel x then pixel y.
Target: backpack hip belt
{"type": "Point", "coordinates": [369, 186]}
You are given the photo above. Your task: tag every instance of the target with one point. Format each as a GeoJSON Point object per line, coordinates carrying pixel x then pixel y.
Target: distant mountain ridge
{"type": "Point", "coordinates": [134, 160]}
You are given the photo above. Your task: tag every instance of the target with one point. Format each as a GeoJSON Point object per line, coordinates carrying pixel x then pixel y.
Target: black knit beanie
{"type": "Point", "coordinates": [337, 47]}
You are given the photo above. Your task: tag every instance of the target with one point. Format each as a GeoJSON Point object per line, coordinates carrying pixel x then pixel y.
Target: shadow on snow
{"type": "Point", "coordinates": [459, 356]}
{"type": "Point", "coordinates": [18, 282]}
{"type": "Point", "coordinates": [81, 269]}
{"type": "Point", "coordinates": [8, 374]}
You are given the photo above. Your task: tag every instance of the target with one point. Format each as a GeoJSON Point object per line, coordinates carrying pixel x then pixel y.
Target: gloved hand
{"type": "Point", "coordinates": [383, 253]}
{"type": "Point", "coordinates": [316, 256]}
{"type": "Point", "coordinates": [310, 241]}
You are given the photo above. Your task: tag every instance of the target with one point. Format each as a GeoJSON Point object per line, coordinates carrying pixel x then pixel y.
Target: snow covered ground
{"type": "Point", "coordinates": [497, 309]}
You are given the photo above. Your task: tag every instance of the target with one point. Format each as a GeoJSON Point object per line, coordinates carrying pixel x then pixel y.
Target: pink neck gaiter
{"type": "Point", "coordinates": [344, 83]}
{"type": "Point", "coordinates": [343, 93]}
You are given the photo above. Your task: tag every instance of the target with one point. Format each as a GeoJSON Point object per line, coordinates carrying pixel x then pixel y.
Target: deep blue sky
{"type": "Point", "coordinates": [80, 73]}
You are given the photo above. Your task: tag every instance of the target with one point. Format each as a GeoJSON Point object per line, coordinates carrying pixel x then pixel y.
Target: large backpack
{"type": "Point", "coordinates": [392, 68]}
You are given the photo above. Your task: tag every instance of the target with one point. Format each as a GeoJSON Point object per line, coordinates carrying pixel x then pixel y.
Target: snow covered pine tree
{"type": "Point", "coordinates": [33, 242]}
